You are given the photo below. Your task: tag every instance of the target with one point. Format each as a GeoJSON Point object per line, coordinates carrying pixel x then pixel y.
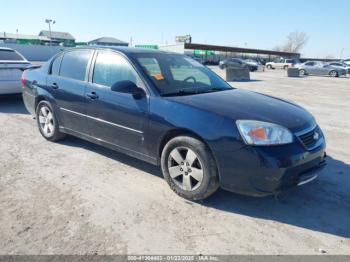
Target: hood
{"type": "Point", "coordinates": [240, 104]}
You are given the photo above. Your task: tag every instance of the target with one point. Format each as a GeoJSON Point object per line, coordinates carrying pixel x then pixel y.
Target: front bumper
{"type": "Point", "coordinates": [260, 171]}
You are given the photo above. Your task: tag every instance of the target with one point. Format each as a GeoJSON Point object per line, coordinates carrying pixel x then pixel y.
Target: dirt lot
{"type": "Point", "coordinates": [74, 197]}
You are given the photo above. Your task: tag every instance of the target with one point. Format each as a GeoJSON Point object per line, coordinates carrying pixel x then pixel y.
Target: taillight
{"type": "Point", "coordinates": [23, 79]}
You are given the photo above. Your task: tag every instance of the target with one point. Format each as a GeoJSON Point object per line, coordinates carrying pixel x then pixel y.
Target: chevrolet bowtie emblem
{"type": "Point", "coordinates": [316, 136]}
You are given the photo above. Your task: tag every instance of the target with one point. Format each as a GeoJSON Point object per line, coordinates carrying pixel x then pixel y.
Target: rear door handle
{"type": "Point", "coordinates": [92, 95]}
{"type": "Point", "coordinates": [54, 86]}
{"type": "Point", "coordinates": [33, 84]}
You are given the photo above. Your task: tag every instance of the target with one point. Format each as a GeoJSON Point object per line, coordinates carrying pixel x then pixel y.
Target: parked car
{"type": "Point", "coordinates": [198, 59]}
{"type": "Point", "coordinates": [11, 65]}
{"type": "Point", "coordinates": [281, 64]}
{"type": "Point", "coordinates": [341, 65]}
{"type": "Point", "coordinates": [320, 68]}
{"type": "Point", "coordinates": [170, 110]}
{"type": "Point", "coordinates": [347, 61]}
{"type": "Point", "coordinates": [237, 63]}
{"type": "Point", "coordinates": [252, 62]}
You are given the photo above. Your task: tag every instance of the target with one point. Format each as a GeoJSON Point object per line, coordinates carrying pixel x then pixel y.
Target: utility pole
{"type": "Point", "coordinates": [49, 21]}
{"type": "Point", "coordinates": [341, 53]}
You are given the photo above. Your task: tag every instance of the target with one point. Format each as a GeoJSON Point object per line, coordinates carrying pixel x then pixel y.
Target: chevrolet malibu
{"type": "Point", "coordinates": [171, 111]}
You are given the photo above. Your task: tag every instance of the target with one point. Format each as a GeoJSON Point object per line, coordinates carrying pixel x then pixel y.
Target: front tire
{"type": "Point", "coordinates": [47, 122]}
{"type": "Point", "coordinates": [269, 67]}
{"type": "Point", "coordinates": [189, 168]}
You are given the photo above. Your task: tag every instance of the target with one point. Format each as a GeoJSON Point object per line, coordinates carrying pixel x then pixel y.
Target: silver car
{"type": "Point", "coordinates": [320, 68]}
{"type": "Point", "coordinates": [11, 65]}
{"type": "Point", "coordinates": [341, 65]}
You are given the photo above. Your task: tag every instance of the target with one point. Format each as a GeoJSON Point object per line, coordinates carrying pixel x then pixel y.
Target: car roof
{"type": "Point", "coordinates": [125, 50]}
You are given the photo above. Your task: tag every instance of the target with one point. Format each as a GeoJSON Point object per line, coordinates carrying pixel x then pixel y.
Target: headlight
{"type": "Point", "coordinates": [263, 133]}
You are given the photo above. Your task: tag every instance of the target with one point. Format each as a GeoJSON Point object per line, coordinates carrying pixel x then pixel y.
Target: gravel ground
{"type": "Point", "coordinates": [75, 197]}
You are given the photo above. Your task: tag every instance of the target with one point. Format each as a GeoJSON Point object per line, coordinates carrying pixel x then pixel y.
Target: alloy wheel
{"type": "Point", "coordinates": [185, 168]}
{"type": "Point", "coordinates": [46, 121]}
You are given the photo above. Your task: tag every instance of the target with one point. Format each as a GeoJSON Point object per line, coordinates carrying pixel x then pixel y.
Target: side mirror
{"type": "Point", "coordinates": [128, 87]}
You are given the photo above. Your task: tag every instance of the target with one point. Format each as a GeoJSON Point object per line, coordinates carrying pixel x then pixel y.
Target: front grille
{"type": "Point", "coordinates": [308, 139]}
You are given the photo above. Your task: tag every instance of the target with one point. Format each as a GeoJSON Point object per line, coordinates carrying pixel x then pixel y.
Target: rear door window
{"type": "Point", "coordinates": [74, 64]}
{"type": "Point", "coordinates": [10, 55]}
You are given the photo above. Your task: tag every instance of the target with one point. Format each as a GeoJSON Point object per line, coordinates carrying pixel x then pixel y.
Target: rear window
{"type": "Point", "coordinates": [74, 64]}
{"type": "Point", "coordinates": [55, 67]}
{"type": "Point", "coordinates": [10, 55]}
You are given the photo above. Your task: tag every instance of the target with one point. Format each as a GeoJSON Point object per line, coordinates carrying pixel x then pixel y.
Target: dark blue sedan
{"type": "Point", "coordinates": [170, 110]}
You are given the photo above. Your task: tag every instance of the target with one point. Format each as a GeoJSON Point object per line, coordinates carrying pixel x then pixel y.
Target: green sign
{"type": "Point", "coordinates": [147, 46]}
{"type": "Point", "coordinates": [203, 52]}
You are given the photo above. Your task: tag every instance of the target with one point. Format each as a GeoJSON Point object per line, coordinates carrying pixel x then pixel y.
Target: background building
{"type": "Point", "coordinates": [214, 53]}
{"type": "Point", "coordinates": [23, 39]}
{"type": "Point", "coordinates": [58, 38]}
{"type": "Point", "coordinates": [107, 41]}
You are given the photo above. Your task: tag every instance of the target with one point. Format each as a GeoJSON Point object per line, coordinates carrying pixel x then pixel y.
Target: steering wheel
{"type": "Point", "coordinates": [190, 78]}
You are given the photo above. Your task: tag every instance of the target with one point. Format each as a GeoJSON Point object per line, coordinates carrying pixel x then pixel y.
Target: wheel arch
{"type": "Point", "coordinates": [38, 99]}
{"type": "Point", "coordinates": [184, 132]}
{"type": "Point", "coordinates": [51, 101]}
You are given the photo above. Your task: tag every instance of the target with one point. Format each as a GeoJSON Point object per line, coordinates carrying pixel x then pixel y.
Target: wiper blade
{"type": "Point", "coordinates": [182, 92]}
{"type": "Point", "coordinates": [218, 89]}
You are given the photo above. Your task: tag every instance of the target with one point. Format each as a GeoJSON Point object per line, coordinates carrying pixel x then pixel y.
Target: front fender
{"type": "Point", "coordinates": [217, 131]}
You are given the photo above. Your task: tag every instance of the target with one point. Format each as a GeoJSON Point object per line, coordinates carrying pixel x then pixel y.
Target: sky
{"type": "Point", "coordinates": [262, 24]}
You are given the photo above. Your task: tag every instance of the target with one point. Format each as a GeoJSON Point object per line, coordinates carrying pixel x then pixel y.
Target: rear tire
{"type": "Point", "coordinates": [285, 67]}
{"type": "Point", "coordinates": [47, 122]}
{"type": "Point", "coordinates": [269, 67]}
{"type": "Point", "coordinates": [333, 73]}
{"type": "Point", "coordinates": [189, 168]}
{"type": "Point", "coordinates": [302, 72]}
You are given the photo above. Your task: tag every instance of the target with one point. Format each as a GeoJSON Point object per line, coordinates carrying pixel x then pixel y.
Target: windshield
{"type": "Point", "coordinates": [179, 75]}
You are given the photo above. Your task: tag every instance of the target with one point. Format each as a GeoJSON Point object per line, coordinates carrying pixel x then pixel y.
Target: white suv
{"type": "Point", "coordinates": [282, 64]}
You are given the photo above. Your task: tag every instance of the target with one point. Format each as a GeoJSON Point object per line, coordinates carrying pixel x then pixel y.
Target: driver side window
{"type": "Point", "coordinates": [111, 68]}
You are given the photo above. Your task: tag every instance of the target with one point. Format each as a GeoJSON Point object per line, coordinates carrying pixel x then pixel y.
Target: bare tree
{"type": "Point", "coordinates": [295, 42]}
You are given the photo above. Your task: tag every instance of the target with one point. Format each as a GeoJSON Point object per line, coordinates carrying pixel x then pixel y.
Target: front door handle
{"type": "Point", "coordinates": [92, 95]}
{"type": "Point", "coordinates": [54, 86]}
